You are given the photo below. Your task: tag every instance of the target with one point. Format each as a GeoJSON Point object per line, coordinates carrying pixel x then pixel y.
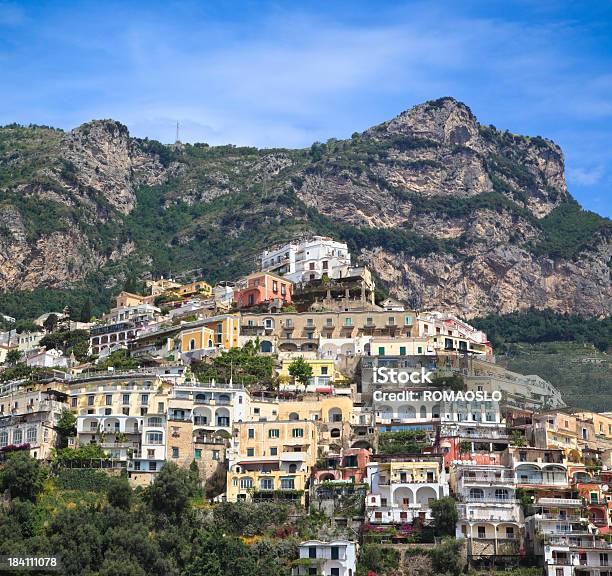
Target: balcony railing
{"type": "Point", "coordinates": [480, 479]}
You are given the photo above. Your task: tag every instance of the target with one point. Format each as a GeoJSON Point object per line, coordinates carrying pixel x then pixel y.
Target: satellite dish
{"type": "Point", "coordinates": [605, 487]}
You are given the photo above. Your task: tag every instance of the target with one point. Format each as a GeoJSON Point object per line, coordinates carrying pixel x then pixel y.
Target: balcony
{"type": "Point", "coordinates": [485, 500]}
{"type": "Point", "coordinates": [486, 479]}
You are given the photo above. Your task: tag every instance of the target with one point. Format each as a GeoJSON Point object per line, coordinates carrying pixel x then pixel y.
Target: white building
{"type": "Point", "coordinates": [308, 260]}
{"type": "Point", "coordinates": [48, 359]}
{"type": "Point", "coordinates": [334, 558]}
{"type": "Point", "coordinates": [490, 516]}
{"type": "Point", "coordinates": [402, 487]}
{"type": "Point", "coordinates": [29, 340]}
{"type": "Point", "coordinates": [565, 542]}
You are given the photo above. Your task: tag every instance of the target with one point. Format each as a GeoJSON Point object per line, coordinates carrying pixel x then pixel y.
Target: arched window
{"type": "Point", "coordinates": [3, 438]}
{"type": "Point", "coordinates": [192, 344]}
{"type": "Point", "coordinates": [266, 346]}
{"type": "Point", "coordinates": [292, 468]}
{"type": "Point", "coordinates": [210, 343]}
{"type": "Point", "coordinates": [335, 433]}
{"type": "Point", "coordinates": [423, 412]}
{"type": "Point", "coordinates": [294, 416]}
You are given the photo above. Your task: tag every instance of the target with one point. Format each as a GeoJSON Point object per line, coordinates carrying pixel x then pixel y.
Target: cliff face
{"type": "Point", "coordinates": [447, 212]}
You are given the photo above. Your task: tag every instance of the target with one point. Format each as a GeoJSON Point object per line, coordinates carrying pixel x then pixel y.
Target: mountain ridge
{"type": "Point", "coordinates": [448, 213]}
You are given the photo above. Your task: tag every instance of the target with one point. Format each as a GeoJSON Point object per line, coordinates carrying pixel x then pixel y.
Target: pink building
{"type": "Point", "coordinates": [350, 465]}
{"type": "Point", "coordinates": [263, 287]}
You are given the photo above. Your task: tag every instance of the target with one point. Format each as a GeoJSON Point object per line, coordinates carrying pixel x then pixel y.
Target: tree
{"type": "Point", "coordinates": [517, 439]}
{"type": "Point", "coordinates": [301, 371]}
{"type": "Point", "coordinates": [22, 476]}
{"type": "Point", "coordinates": [85, 314]}
{"type": "Point", "coordinates": [13, 356]}
{"type": "Point", "coordinates": [446, 557]}
{"type": "Point", "coordinates": [170, 492]}
{"type": "Point", "coordinates": [445, 516]}
{"type": "Point", "coordinates": [66, 427]}
{"type": "Point", "coordinates": [119, 493]}
{"type": "Point", "coordinates": [50, 323]}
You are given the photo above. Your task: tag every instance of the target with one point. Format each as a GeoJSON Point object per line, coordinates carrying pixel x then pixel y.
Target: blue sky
{"type": "Point", "coordinates": [290, 73]}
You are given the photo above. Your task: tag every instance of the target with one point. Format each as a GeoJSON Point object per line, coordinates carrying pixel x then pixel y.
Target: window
{"type": "Point", "coordinates": [274, 433]}
{"type": "Point", "coordinates": [155, 421]}
{"type": "Point", "coordinates": [287, 484]}
{"type": "Point", "coordinates": [391, 320]}
{"type": "Point", "coordinates": [335, 572]}
{"type": "Point", "coordinates": [408, 320]}
{"type": "Point", "coordinates": [155, 438]}
{"type": "Point", "coordinates": [152, 466]}
{"type": "Point", "coordinates": [17, 436]}
{"type": "Point", "coordinates": [250, 451]}
{"type": "Point", "coordinates": [292, 468]}
{"type": "Point", "coordinates": [108, 400]}
{"type": "Point", "coordinates": [108, 411]}
{"type": "Point", "coordinates": [144, 399]}
{"type": "Point", "coordinates": [192, 344]}
{"type": "Point", "coordinates": [419, 350]}
{"type": "Point", "coordinates": [509, 532]}
{"type": "Point", "coordinates": [348, 321]}
{"type": "Point", "coordinates": [273, 451]}
{"type": "Point", "coordinates": [198, 453]}
{"type": "Point", "coordinates": [274, 286]}
{"type": "Point", "coordinates": [324, 370]}
{"type": "Point", "coordinates": [297, 432]}
{"type": "Point", "coordinates": [90, 400]}
{"type": "Point", "coordinates": [283, 289]}
{"type": "Point", "coordinates": [335, 552]}
{"type": "Point", "coordinates": [402, 350]}
{"type": "Point", "coordinates": [251, 433]}
{"type": "Point", "coordinates": [160, 407]}
{"type": "Point", "coordinates": [216, 455]}
{"type": "Point", "coordinates": [266, 484]}
{"type": "Point", "coordinates": [126, 399]}
{"type": "Point", "coordinates": [312, 552]}
{"type": "Point", "coordinates": [246, 483]}
{"type": "Point", "coordinates": [175, 452]}
{"type": "Point", "coordinates": [482, 532]}
{"type": "Point", "coordinates": [381, 350]}
{"type": "Point", "coordinates": [73, 402]}
{"type": "Point", "coordinates": [3, 438]}
{"type": "Point", "coordinates": [325, 264]}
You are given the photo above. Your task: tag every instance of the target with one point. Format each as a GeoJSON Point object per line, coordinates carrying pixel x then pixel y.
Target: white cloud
{"type": "Point", "coordinates": [585, 176]}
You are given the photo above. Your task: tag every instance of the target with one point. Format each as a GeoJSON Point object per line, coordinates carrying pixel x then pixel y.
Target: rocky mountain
{"type": "Point", "coordinates": [448, 213]}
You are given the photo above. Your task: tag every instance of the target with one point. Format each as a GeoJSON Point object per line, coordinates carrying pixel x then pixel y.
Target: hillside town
{"type": "Point", "coordinates": [303, 383]}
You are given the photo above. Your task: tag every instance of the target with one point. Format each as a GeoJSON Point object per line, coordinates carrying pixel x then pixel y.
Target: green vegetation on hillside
{"type": "Point", "coordinates": [579, 371]}
{"type": "Point", "coordinates": [99, 526]}
{"type": "Point", "coordinates": [569, 229]}
{"type": "Point", "coordinates": [535, 326]}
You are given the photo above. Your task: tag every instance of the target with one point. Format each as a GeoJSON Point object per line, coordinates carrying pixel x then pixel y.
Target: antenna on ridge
{"type": "Point", "coordinates": [177, 141]}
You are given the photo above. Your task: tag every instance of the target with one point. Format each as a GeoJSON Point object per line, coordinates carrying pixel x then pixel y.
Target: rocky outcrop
{"type": "Point", "coordinates": [461, 209]}
{"type": "Point", "coordinates": [104, 158]}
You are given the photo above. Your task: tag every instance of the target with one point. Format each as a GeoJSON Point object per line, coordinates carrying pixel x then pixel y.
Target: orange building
{"type": "Point", "coordinates": [262, 287]}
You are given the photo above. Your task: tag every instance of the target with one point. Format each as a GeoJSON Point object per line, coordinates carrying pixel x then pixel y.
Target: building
{"type": "Point", "coordinates": [120, 327]}
{"type": "Point", "coordinates": [402, 487]}
{"type": "Point", "coordinates": [28, 419]}
{"type": "Point", "coordinates": [160, 286]}
{"type": "Point", "coordinates": [27, 341]}
{"type": "Point", "coordinates": [271, 459]}
{"type": "Point", "coordinates": [202, 337]}
{"type": "Point", "coordinates": [263, 288]}
{"type": "Point", "coordinates": [197, 288]}
{"type": "Point", "coordinates": [125, 300]}
{"type": "Point", "coordinates": [541, 470]}
{"type": "Point", "coordinates": [333, 558]}
{"type": "Point", "coordinates": [48, 359]}
{"type": "Point", "coordinates": [306, 260]}
{"type": "Point", "coordinates": [303, 332]}
{"type": "Point", "coordinates": [449, 333]}
{"type": "Point", "coordinates": [350, 465]}
{"type": "Point", "coordinates": [566, 546]}
{"type": "Point", "coordinates": [490, 515]}
{"type": "Point", "coordinates": [126, 415]}
{"type": "Point", "coordinates": [324, 375]}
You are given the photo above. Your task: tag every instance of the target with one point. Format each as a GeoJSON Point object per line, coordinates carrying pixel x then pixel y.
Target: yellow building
{"type": "Point", "coordinates": [401, 346]}
{"type": "Point", "coordinates": [221, 331]}
{"type": "Point", "coordinates": [555, 429]}
{"type": "Point", "coordinates": [200, 288]}
{"type": "Point", "coordinates": [602, 423]}
{"type": "Point", "coordinates": [324, 373]}
{"type": "Point", "coordinates": [271, 458]}
{"type": "Point", "coordinates": [126, 299]}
